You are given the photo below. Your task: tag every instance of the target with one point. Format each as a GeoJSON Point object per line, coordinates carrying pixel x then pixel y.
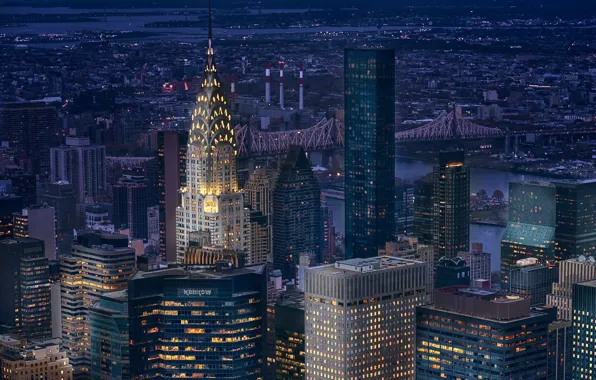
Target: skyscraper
{"type": "Point", "coordinates": [60, 196]}
{"type": "Point", "coordinates": [25, 285]}
{"type": "Point", "coordinates": [579, 269]}
{"type": "Point", "coordinates": [9, 204]}
{"type": "Point", "coordinates": [100, 263]}
{"type": "Point", "coordinates": [212, 201]}
{"type": "Point", "coordinates": [30, 127]}
{"type": "Point", "coordinates": [532, 280]}
{"type": "Point", "coordinates": [451, 204]}
{"type": "Point", "coordinates": [296, 213]}
{"type": "Point", "coordinates": [560, 338]}
{"type": "Point", "coordinates": [130, 206]}
{"type": "Point", "coordinates": [584, 346]}
{"type": "Point", "coordinates": [81, 164]}
{"type": "Point", "coordinates": [530, 231]}
{"type": "Point", "coordinates": [37, 222]}
{"type": "Point", "coordinates": [204, 324]}
{"type": "Point", "coordinates": [289, 337]}
{"type": "Point", "coordinates": [478, 261]}
{"type": "Point", "coordinates": [171, 177]}
{"type": "Point", "coordinates": [369, 81]}
{"type": "Point", "coordinates": [404, 207]}
{"type": "Point", "coordinates": [575, 233]}
{"type": "Point", "coordinates": [259, 189]}
{"type": "Point", "coordinates": [481, 334]}
{"type": "Point", "coordinates": [360, 318]}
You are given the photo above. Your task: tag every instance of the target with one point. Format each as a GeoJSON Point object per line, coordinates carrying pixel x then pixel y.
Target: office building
{"type": "Point", "coordinates": [404, 207]}
{"type": "Point", "coordinates": [37, 222]}
{"type": "Point", "coordinates": [479, 263]}
{"type": "Point", "coordinates": [360, 318]}
{"type": "Point", "coordinates": [530, 230]}
{"type": "Point", "coordinates": [560, 337]}
{"type": "Point", "coordinates": [258, 191]}
{"type": "Point", "coordinates": [171, 177]}
{"type": "Point", "coordinates": [532, 280]}
{"type": "Point", "coordinates": [212, 200]}
{"type": "Point", "coordinates": [571, 271]}
{"type": "Point", "coordinates": [81, 164]}
{"type": "Point", "coordinates": [481, 334]}
{"type": "Point", "coordinates": [130, 206]}
{"type": "Point", "coordinates": [108, 336]}
{"type": "Point", "coordinates": [30, 128]}
{"type": "Point", "coordinates": [290, 361]}
{"type": "Point", "coordinates": [451, 204]}
{"type": "Point", "coordinates": [25, 283]}
{"type": "Point", "coordinates": [451, 272]}
{"type": "Point", "coordinates": [575, 234]}
{"type": "Point", "coordinates": [99, 263]}
{"type": "Point", "coordinates": [9, 204]}
{"type": "Point", "coordinates": [296, 218]}
{"type": "Point", "coordinates": [260, 239]}
{"type": "Point", "coordinates": [24, 185]}
{"type": "Point", "coordinates": [369, 86]}
{"type": "Point", "coordinates": [153, 226]}
{"type": "Point", "coordinates": [327, 232]}
{"type": "Point", "coordinates": [39, 361]}
{"type": "Point", "coordinates": [424, 209]}
{"type": "Point", "coordinates": [214, 319]}
{"type": "Point", "coordinates": [584, 346]}
{"type": "Point", "coordinates": [60, 196]}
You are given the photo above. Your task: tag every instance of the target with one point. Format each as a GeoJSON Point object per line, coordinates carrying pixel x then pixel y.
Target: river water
{"type": "Point", "coordinates": [487, 179]}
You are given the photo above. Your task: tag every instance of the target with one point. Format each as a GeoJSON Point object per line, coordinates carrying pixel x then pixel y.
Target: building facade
{"type": "Point", "coordinates": [37, 222]}
{"type": "Point", "coordinates": [207, 324]}
{"type": "Point", "coordinates": [532, 280]}
{"type": "Point", "coordinates": [25, 305]}
{"type": "Point", "coordinates": [60, 196]}
{"type": "Point", "coordinates": [42, 361]}
{"type": "Point", "coordinates": [584, 347]}
{"type": "Point", "coordinates": [560, 338]}
{"type": "Point", "coordinates": [212, 200]}
{"type": "Point", "coordinates": [153, 226]}
{"type": "Point", "coordinates": [478, 261]}
{"type": "Point", "coordinates": [130, 206]}
{"type": "Point", "coordinates": [296, 218]}
{"type": "Point", "coordinates": [290, 360]}
{"type": "Point", "coordinates": [530, 230]}
{"type": "Point", "coordinates": [571, 271]}
{"type": "Point", "coordinates": [451, 204]}
{"type": "Point", "coordinates": [9, 204]}
{"type": "Point", "coordinates": [360, 318]}
{"type": "Point", "coordinates": [424, 209]}
{"type": "Point", "coordinates": [369, 85]}
{"type": "Point", "coordinates": [404, 207]}
{"type": "Point", "coordinates": [451, 272]}
{"type": "Point", "coordinates": [467, 334]}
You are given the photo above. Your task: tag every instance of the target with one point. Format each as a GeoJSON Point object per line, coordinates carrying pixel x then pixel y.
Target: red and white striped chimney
{"type": "Point", "coordinates": [301, 90]}
{"type": "Point", "coordinates": [281, 85]}
{"type": "Point", "coordinates": [268, 82]}
{"type": "Point", "coordinates": [233, 87]}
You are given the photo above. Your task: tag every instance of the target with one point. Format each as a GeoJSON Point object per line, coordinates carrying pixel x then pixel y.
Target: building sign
{"type": "Point", "coordinates": [195, 292]}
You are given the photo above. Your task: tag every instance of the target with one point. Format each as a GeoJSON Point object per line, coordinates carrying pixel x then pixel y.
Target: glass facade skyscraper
{"type": "Point", "coordinates": [369, 77]}
{"type": "Point", "coordinates": [530, 231]}
{"type": "Point", "coordinates": [584, 324]}
{"type": "Point", "coordinates": [190, 324]}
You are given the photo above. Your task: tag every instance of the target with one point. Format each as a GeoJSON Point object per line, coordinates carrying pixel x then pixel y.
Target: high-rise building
{"type": "Point", "coordinates": [478, 261]}
{"type": "Point", "coordinates": [404, 207]}
{"type": "Point", "coordinates": [327, 232]}
{"type": "Point", "coordinates": [37, 222]}
{"type": "Point", "coordinates": [171, 177]}
{"type": "Point", "coordinates": [296, 218]}
{"type": "Point", "coordinates": [258, 191]}
{"type": "Point", "coordinates": [9, 204]}
{"type": "Point", "coordinates": [290, 361]}
{"type": "Point", "coordinates": [81, 164]}
{"type": "Point", "coordinates": [130, 206]}
{"type": "Point", "coordinates": [451, 272]}
{"type": "Point", "coordinates": [571, 271]}
{"type": "Point", "coordinates": [560, 338]}
{"type": "Point", "coordinates": [25, 284]}
{"type": "Point", "coordinates": [39, 361]}
{"type": "Point", "coordinates": [369, 85]}
{"type": "Point", "coordinates": [23, 185]}
{"type": "Point", "coordinates": [30, 127]}
{"type": "Point", "coordinates": [153, 226]}
{"type": "Point", "coordinates": [212, 200]}
{"type": "Point", "coordinates": [60, 196]}
{"type": "Point", "coordinates": [204, 324]}
{"type": "Point", "coordinates": [575, 233]}
{"type": "Point", "coordinates": [532, 280]}
{"type": "Point", "coordinates": [451, 204]}
{"type": "Point", "coordinates": [467, 332]}
{"type": "Point", "coordinates": [108, 336]}
{"type": "Point", "coordinates": [260, 239]}
{"type": "Point", "coordinates": [582, 322]}
{"type": "Point", "coordinates": [530, 231]}
{"type": "Point", "coordinates": [99, 263]}
{"type": "Point", "coordinates": [360, 318]}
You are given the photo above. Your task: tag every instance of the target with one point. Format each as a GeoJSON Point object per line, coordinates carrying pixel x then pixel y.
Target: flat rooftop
{"type": "Point", "coordinates": [198, 274]}
{"type": "Point", "coordinates": [371, 264]}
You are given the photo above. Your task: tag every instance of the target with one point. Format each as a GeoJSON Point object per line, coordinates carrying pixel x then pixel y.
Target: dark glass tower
{"type": "Point", "coordinates": [575, 233]}
{"type": "Point", "coordinates": [61, 197]}
{"type": "Point", "coordinates": [130, 205]}
{"type": "Point", "coordinates": [451, 205]}
{"type": "Point", "coordinates": [369, 77]}
{"type": "Point", "coordinates": [25, 283]}
{"type": "Point", "coordinates": [423, 209]}
{"type": "Point", "coordinates": [584, 309]}
{"type": "Point", "coordinates": [296, 213]}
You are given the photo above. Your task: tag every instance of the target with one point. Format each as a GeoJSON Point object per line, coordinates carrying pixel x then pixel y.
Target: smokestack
{"type": "Point", "coordinates": [268, 82]}
{"type": "Point", "coordinates": [301, 90]}
{"type": "Point", "coordinates": [281, 85]}
{"type": "Point", "coordinates": [233, 87]}
{"type": "Point", "coordinates": [243, 65]}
